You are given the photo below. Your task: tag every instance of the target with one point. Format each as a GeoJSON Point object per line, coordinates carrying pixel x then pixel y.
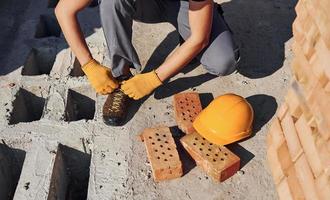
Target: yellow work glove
{"type": "Point", "coordinates": [141, 85]}
{"type": "Point", "coordinates": [100, 77]}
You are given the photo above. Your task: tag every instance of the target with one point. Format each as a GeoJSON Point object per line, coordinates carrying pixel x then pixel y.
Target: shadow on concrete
{"type": "Point", "coordinates": [241, 152]}
{"type": "Point", "coordinates": [19, 35]}
{"type": "Point", "coordinates": [261, 29]}
{"type": "Point", "coordinates": [11, 164]}
{"type": "Point", "coordinates": [264, 108]}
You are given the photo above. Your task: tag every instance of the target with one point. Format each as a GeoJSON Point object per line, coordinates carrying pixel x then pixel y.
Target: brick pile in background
{"type": "Point", "coordinates": [299, 137]}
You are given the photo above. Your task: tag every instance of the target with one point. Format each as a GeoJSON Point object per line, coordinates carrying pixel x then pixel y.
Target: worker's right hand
{"type": "Point", "coordinates": [100, 77]}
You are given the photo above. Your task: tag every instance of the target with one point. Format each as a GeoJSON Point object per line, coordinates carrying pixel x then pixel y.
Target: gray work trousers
{"type": "Point", "coordinates": [117, 17]}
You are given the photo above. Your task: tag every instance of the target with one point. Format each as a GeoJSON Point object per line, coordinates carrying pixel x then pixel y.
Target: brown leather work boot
{"type": "Point", "coordinates": [115, 107]}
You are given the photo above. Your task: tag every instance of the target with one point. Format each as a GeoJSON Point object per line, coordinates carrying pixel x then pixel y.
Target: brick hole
{"type": "Point", "coordinates": [194, 144]}
{"type": "Point", "coordinates": [27, 107]}
{"type": "Point", "coordinates": [200, 149]}
{"type": "Point", "coordinates": [165, 159]}
{"type": "Point", "coordinates": [11, 163]}
{"type": "Point", "coordinates": [211, 144]}
{"type": "Point", "coordinates": [226, 154]}
{"type": "Point", "coordinates": [70, 174]}
{"type": "Point", "coordinates": [158, 139]}
{"type": "Point", "coordinates": [47, 27]}
{"type": "Point", "coordinates": [153, 143]}
{"type": "Point", "coordinates": [76, 70]}
{"type": "Point", "coordinates": [191, 120]}
{"type": "Point", "coordinates": [171, 155]}
{"type": "Point", "coordinates": [150, 137]}
{"type": "Point", "coordinates": [184, 119]}
{"type": "Point", "coordinates": [161, 146]}
{"type": "Point", "coordinates": [204, 139]}
{"type": "Point", "coordinates": [222, 159]}
{"type": "Point", "coordinates": [52, 3]}
{"type": "Point", "coordinates": [157, 134]}
{"type": "Point", "coordinates": [169, 149]}
{"type": "Point", "coordinates": [164, 136]}
{"type": "Point", "coordinates": [158, 157]}
{"type": "Point", "coordinates": [207, 154]}
{"type": "Point", "coordinates": [39, 61]}
{"type": "Point", "coordinates": [181, 107]}
{"type": "Point", "coordinates": [163, 153]}
{"type": "Point", "coordinates": [79, 106]}
{"type": "Point", "coordinates": [214, 160]}
{"type": "Point", "coordinates": [196, 138]}
{"type": "Point", "coordinates": [209, 149]}
{"type": "Point", "coordinates": [156, 150]}
{"type": "Point", "coordinates": [216, 154]}
{"type": "Point", "coordinates": [202, 144]}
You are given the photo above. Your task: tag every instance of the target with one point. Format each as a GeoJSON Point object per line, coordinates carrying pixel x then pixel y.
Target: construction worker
{"type": "Point", "coordinates": [206, 37]}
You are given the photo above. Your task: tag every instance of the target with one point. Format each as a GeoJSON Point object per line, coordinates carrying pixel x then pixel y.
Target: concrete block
{"type": "Point", "coordinates": [186, 107]}
{"type": "Point", "coordinates": [36, 173]}
{"type": "Point", "coordinates": [291, 137]}
{"type": "Point", "coordinates": [162, 153]}
{"type": "Point", "coordinates": [70, 174]}
{"type": "Point", "coordinates": [217, 161]}
{"type": "Point", "coordinates": [110, 174]}
{"type": "Point", "coordinates": [80, 104]}
{"type": "Point", "coordinates": [305, 177]}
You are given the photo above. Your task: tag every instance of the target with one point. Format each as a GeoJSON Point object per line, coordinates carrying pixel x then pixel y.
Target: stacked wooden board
{"type": "Point", "coordinates": [298, 141]}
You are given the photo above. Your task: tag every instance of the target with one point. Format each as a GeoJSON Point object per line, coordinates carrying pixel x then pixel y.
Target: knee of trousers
{"type": "Point", "coordinates": [222, 66]}
{"type": "Point", "coordinates": [108, 7]}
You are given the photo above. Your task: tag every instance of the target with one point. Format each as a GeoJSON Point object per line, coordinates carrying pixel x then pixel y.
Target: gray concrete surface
{"type": "Point", "coordinates": [54, 143]}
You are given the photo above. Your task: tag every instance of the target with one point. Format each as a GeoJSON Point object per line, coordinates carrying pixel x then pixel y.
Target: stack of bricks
{"type": "Point", "coordinates": [298, 141]}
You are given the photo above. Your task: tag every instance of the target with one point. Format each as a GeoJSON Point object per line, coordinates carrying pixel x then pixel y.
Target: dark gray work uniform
{"type": "Point", "coordinates": [117, 17]}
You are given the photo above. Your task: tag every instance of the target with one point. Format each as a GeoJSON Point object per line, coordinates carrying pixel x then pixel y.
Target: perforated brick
{"type": "Point", "coordinates": [217, 161]}
{"type": "Point", "coordinates": [162, 153]}
{"type": "Point", "coordinates": [186, 107]}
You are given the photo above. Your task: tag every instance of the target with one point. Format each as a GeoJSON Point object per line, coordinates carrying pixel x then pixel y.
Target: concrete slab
{"type": "Point", "coordinates": [264, 31]}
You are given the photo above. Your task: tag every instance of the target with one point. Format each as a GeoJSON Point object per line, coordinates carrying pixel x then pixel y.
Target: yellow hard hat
{"type": "Point", "coordinates": [227, 119]}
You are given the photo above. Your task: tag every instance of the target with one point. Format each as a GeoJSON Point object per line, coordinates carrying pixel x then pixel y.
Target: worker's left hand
{"type": "Point", "coordinates": [141, 85]}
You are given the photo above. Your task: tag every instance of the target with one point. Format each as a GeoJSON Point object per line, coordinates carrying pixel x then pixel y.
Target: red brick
{"type": "Point", "coordinates": [162, 153]}
{"type": "Point", "coordinates": [305, 177]}
{"type": "Point", "coordinates": [291, 137]}
{"type": "Point", "coordinates": [186, 107]}
{"type": "Point", "coordinates": [217, 161]}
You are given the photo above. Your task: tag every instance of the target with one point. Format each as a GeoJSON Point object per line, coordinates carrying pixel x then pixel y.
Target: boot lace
{"type": "Point", "coordinates": [117, 102]}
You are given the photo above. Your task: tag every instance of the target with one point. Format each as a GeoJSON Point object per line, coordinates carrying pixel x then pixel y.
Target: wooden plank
{"type": "Point", "coordinates": [305, 177]}
{"type": "Point", "coordinates": [283, 190]}
{"type": "Point", "coordinates": [323, 186]}
{"type": "Point", "coordinates": [284, 158]}
{"type": "Point", "coordinates": [276, 136]}
{"type": "Point", "coordinates": [274, 164]}
{"type": "Point", "coordinates": [291, 137]}
{"type": "Point", "coordinates": [217, 161]}
{"type": "Point", "coordinates": [307, 139]}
